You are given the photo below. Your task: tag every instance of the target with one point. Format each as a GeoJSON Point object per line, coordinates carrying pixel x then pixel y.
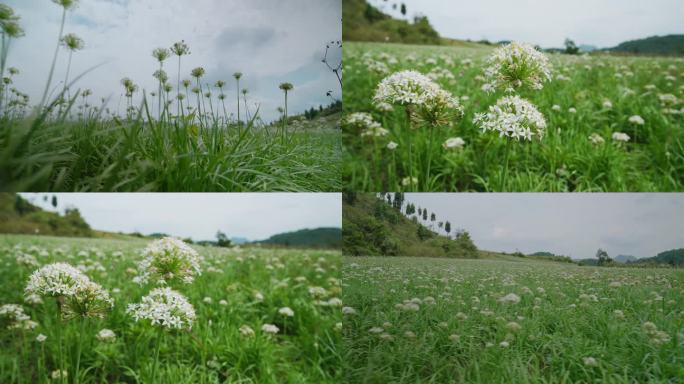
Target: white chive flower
{"type": "Point", "coordinates": [513, 117]}
{"type": "Point", "coordinates": [168, 259]}
{"type": "Point", "coordinates": [517, 65]}
{"type": "Point", "coordinates": [164, 307]}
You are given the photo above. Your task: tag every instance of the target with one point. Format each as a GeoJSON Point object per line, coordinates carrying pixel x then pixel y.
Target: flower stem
{"type": "Point", "coordinates": [78, 350]}
{"type": "Point", "coordinates": [429, 160]}
{"type": "Point", "coordinates": [505, 170]}
{"type": "Point", "coordinates": [156, 356]}
{"type": "Point", "coordinates": [54, 60]}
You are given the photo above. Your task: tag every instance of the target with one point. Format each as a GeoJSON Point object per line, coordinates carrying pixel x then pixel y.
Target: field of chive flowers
{"type": "Point", "coordinates": [165, 312]}
{"type": "Point", "coordinates": [420, 118]}
{"type": "Point", "coordinates": [488, 321]}
{"type": "Point", "coordinates": [173, 131]}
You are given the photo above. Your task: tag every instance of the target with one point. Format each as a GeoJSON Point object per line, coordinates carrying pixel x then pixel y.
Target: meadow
{"type": "Point", "coordinates": [182, 133]}
{"type": "Point", "coordinates": [586, 122]}
{"type": "Point", "coordinates": [247, 315]}
{"type": "Point", "coordinates": [409, 320]}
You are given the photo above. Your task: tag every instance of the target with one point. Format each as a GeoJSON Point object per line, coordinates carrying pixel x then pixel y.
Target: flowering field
{"type": "Point", "coordinates": [421, 118]}
{"type": "Point", "coordinates": [184, 132]}
{"type": "Point", "coordinates": [487, 321]}
{"type": "Point", "coordinates": [164, 312]}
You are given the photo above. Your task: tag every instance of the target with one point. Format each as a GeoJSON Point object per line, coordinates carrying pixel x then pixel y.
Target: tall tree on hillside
{"type": "Point", "coordinates": [54, 201]}
{"type": "Point", "coordinates": [403, 9]}
{"type": "Point", "coordinates": [447, 228]}
{"type": "Point", "coordinates": [425, 216]}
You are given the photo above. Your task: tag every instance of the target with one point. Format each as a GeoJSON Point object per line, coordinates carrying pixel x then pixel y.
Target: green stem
{"type": "Point", "coordinates": [54, 60]}
{"type": "Point", "coordinates": [156, 356]}
{"type": "Point", "coordinates": [238, 105]}
{"type": "Point", "coordinates": [78, 350]}
{"type": "Point", "coordinates": [505, 170]}
{"type": "Point", "coordinates": [429, 160]}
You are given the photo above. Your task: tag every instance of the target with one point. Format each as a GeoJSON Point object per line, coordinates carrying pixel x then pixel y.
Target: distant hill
{"type": "Point", "coordinates": [307, 238]}
{"type": "Point", "coordinates": [674, 257]}
{"type": "Point", "coordinates": [239, 240]}
{"type": "Point", "coordinates": [624, 258]}
{"type": "Point", "coordinates": [17, 215]}
{"type": "Point", "coordinates": [587, 261]}
{"type": "Point", "coordinates": [363, 22]}
{"type": "Point", "coordinates": [545, 255]}
{"type": "Point", "coordinates": [654, 45]}
{"type": "Point", "coordinates": [372, 227]}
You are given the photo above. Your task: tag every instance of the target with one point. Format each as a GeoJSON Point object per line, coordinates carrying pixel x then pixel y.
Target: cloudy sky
{"type": "Point", "coordinates": [574, 224]}
{"type": "Point", "coordinates": [603, 23]}
{"type": "Point", "coordinates": [270, 41]}
{"type": "Point", "coordinates": [255, 216]}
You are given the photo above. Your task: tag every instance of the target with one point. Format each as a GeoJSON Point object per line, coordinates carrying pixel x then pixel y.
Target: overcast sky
{"type": "Point", "coordinates": [604, 23]}
{"type": "Point", "coordinates": [255, 216]}
{"type": "Point", "coordinates": [572, 224]}
{"type": "Point", "coordinates": [270, 41]}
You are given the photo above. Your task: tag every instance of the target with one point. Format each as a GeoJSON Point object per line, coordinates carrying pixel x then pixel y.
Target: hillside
{"type": "Point", "coordinates": [18, 216]}
{"type": "Point", "coordinates": [654, 45]}
{"type": "Point", "coordinates": [673, 257]}
{"type": "Point", "coordinates": [307, 238]}
{"type": "Point", "coordinates": [372, 227]}
{"type": "Point", "coordinates": [363, 22]}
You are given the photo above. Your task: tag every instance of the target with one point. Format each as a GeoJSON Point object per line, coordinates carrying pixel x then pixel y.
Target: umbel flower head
{"type": "Point", "coordinates": [89, 300]}
{"type": "Point", "coordinates": [79, 296]}
{"type": "Point", "coordinates": [180, 48]}
{"type": "Point", "coordinates": [197, 72]}
{"type": "Point", "coordinates": [164, 307]}
{"type": "Point", "coordinates": [161, 54]}
{"type": "Point", "coordinates": [58, 279]}
{"type": "Point", "coordinates": [362, 121]}
{"type": "Point", "coordinates": [72, 42]}
{"type": "Point", "coordinates": [513, 117]}
{"type": "Point", "coordinates": [169, 259]}
{"type": "Point", "coordinates": [426, 100]}
{"type": "Point", "coordinates": [15, 317]}
{"type": "Point", "coordinates": [515, 66]}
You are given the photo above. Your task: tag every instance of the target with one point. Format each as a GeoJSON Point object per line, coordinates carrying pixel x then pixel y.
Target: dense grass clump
{"type": "Point", "coordinates": [142, 154]}
{"type": "Point", "coordinates": [260, 316]}
{"type": "Point", "coordinates": [409, 320]}
{"type": "Point", "coordinates": [609, 123]}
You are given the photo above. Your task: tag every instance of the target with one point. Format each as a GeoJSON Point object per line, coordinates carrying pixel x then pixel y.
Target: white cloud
{"type": "Point", "coordinates": [270, 41]}
{"type": "Point", "coordinates": [572, 224]}
{"type": "Point", "coordinates": [604, 23]}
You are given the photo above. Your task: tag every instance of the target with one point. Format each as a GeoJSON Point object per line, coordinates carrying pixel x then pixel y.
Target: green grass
{"type": "Point", "coordinates": [566, 160]}
{"type": "Point", "coordinates": [141, 154]}
{"type": "Point", "coordinates": [558, 326]}
{"type": "Point", "coordinates": [305, 350]}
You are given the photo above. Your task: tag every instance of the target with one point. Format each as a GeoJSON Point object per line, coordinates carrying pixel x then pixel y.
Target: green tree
{"type": "Point", "coordinates": [570, 47]}
{"type": "Point", "coordinates": [447, 228]}
{"type": "Point", "coordinates": [403, 9]}
{"type": "Point", "coordinates": [603, 258]}
{"type": "Point", "coordinates": [54, 201]}
{"type": "Point", "coordinates": [222, 240]}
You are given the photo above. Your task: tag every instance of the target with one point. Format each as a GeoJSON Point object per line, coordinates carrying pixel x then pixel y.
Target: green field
{"type": "Point", "coordinates": [237, 287]}
{"type": "Point", "coordinates": [444, 321]}
{"type": "Point", "coordinates": [564, 160]}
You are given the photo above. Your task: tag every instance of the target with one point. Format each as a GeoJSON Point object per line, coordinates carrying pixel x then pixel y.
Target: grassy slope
{"type": "Point", "coordinates": [403, 232]}
{"type": "Point", "coordinates": [119, 155]}
{"type": "Point", "coordinates": [356, 26]}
